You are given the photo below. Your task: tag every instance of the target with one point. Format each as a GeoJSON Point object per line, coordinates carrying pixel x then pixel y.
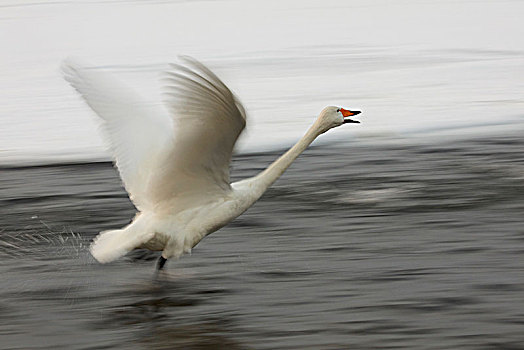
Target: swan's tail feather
{"type": "Point", "coordinates": [111, 245]}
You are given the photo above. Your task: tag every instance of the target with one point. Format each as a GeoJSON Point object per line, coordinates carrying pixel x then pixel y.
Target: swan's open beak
{"type": "Point", "coordinates": [347, 113]}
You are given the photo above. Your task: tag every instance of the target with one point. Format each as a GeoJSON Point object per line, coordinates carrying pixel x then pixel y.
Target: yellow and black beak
{"type": "Point", "coordinates": [347, 114]}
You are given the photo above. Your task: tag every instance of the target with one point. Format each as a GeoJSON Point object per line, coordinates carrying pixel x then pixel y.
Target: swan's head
{"type": "Point", "coordinates": [332, 116]}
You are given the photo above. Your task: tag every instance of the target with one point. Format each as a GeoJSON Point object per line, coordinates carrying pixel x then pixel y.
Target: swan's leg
{"type": "Point", "coordinates": [161, 262]}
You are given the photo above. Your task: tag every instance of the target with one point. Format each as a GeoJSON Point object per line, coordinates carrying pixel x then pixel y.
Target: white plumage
{"type": "Point", "coordinates": [174, 161]}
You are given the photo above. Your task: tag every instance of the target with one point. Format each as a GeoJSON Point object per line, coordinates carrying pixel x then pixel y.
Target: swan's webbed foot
{"type": "Point", "coordinates": [160, 263]}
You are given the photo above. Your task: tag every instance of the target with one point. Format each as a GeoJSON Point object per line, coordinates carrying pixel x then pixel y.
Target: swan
{"type": "Point", "coordinates": [174, 162]}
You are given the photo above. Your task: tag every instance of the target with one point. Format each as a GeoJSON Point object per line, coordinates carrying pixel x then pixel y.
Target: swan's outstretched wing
{"type": "Point", "coordinates": [138, 132]}
{"type": "Point", "coordinates": [208, 120]}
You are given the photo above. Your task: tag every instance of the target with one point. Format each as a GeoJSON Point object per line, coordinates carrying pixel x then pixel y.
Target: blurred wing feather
{"type": "Point", "coordinates": [138, 132]}
{"type": "Point", "coordinates": [208, 120]}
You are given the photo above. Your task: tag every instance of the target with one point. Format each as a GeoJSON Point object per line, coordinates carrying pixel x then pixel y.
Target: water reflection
{"type": "Point", "coordinates": [161, 318]}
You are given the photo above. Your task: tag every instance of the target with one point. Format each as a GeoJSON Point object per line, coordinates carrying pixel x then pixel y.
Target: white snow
{"type": "Point", "coordinates": [411, 66]}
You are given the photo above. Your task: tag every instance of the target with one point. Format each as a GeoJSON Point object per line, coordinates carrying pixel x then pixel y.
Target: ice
{"type": "Point", "coordinates": [412, 67]}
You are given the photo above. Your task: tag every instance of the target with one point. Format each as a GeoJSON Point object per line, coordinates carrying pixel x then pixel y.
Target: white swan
{"type": "Point", "coordinates": [174, 162]}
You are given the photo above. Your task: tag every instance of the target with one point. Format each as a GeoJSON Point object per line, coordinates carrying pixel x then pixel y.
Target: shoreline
{"type": "Point", "coordinates": [379, 140]}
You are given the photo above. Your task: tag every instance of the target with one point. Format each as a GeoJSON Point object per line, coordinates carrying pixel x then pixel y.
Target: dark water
{"type": "Point", "coordinates": [394, 246]}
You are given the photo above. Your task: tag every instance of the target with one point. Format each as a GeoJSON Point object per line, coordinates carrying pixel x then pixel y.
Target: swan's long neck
{"type": "Point", "coordinates": [260, 183]}
{"type": "Point", "coordinates": [267, 177]}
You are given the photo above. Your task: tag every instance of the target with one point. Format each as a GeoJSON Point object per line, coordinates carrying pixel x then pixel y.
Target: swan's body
{"type": "Point", "coordinates": [175, 162]}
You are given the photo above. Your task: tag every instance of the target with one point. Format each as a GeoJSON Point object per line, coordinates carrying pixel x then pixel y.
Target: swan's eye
{"type": "Point", "coordinates": [338, 110]}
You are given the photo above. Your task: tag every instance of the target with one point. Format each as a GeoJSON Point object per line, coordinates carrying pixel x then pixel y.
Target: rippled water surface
{"type": "Point", "coordinates": [404, 245]}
